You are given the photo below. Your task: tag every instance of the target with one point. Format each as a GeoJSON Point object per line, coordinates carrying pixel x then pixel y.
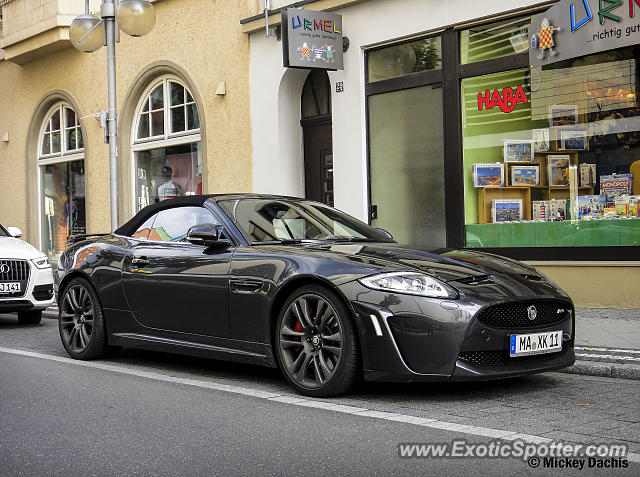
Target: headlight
{"type": "Point", "coordinates": [409, 282]}
{"type": "Point", "coordinates": [41, 263]}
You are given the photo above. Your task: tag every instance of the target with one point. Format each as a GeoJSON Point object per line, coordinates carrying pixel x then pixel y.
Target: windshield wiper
{"type": "Point", "coordinates": [286, 242]}
{"type": "Point", "coordinates": [356, 239]}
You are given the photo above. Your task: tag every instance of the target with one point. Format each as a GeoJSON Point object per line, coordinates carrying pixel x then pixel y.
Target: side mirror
{"type": "Point", "coordinates": [384, 232]}
{"type": "Point", "coordinates": [14, 232]}
{"type": "Point", "coordinates": [207, 235]}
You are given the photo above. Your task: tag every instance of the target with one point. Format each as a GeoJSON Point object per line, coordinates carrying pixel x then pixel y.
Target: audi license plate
{"type": "Point", "coordinates": [536, 343]}
{"type": "Point", "coordinates": [9, 287]}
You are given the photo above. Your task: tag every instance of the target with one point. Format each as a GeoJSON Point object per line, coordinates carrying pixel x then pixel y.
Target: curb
{"type": "Point", "coordinates": [600, 368]}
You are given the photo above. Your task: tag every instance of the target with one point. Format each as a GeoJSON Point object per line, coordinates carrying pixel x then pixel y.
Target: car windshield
{"type": "Point", "coordinates": [3, 232]}
{"type": "Point", "coordinates": [282, 220]}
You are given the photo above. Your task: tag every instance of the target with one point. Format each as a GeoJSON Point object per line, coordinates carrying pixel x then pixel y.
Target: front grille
{"type": "Point", "coordinates": [43, 292]}
{"type": "Point", "coordinates": [515, 315]}
{"type": "Point", "coordinates": [502, 358]}
{"type": "Point", "coordinates": [15, 271]}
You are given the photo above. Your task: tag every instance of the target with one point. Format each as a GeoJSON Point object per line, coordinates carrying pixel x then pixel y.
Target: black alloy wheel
{"type": "Point", "coordinates": [316, 343]}
{"type": "Point", "coordinates": [81, 321]}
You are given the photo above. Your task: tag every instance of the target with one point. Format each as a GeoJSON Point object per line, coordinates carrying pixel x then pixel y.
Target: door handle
{"type": "Point", "coordinates": [140, 261]}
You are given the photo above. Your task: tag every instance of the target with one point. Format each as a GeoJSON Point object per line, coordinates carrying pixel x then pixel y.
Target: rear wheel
{"type": "Point", "coordinates": [31, 317]}
{"type": "Point", "coordinates": [81, 321]}
{"type": "Point", "coordinates": [316, 343]}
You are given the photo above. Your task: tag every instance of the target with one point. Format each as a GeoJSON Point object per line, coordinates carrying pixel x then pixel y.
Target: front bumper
{"type": "Point", "coordinates": [38, 292]}
{"type": "Point", "coordinates": [407, 338]}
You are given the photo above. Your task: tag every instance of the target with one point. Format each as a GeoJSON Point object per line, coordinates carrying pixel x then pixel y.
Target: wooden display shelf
{"type": "Point", "coordinates": [487, 194]}
{"type": "Point", "coordinates": [528, 193]}
{"type": "Point", "coordinates": [562, 192]}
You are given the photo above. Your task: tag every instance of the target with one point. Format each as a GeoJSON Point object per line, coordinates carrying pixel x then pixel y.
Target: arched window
{"type": "Point", "coordinates": [166, 147]}
{"type": "Point", "coordinates": [316, 95]}
{"type": "Point", "coordinates": [61, 179]}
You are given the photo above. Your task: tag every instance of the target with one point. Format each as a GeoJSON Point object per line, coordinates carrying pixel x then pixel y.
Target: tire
{"type": "Point", "coordinates": [31, 317]}
{"type": "Point", "coordinates": [81, 321]}
{"type": "Point", "coordinates": [317, 349]}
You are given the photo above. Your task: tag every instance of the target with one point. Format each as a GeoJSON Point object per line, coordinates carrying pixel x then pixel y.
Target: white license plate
{"type": "Point", "coordinates": [536, 343]}
{"type": "Point", "coordinates": [9, 287]}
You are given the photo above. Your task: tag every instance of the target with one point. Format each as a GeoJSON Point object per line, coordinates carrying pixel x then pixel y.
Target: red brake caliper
{"type": "Point", "coordinates": [298, 327]}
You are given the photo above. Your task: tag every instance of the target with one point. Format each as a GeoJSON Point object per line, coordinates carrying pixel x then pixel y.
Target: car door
{"type": "Point", "coordinates": [176, 286]}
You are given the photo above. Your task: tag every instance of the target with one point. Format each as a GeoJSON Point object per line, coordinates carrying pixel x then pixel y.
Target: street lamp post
{"type": "Point", "coordinates": [134, 17]}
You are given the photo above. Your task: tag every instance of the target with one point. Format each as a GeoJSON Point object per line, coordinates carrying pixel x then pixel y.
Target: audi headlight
{"type": "Point", "coordinates": [41, 263]}
{"type": "Point", "coordinates": [411, 283]}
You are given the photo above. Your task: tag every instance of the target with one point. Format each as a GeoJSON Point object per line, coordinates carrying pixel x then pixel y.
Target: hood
{"type": "Point", "coordinates": [470, 272]}
{"type": "Point", "coordinates": [444, 264]}
{"type": "Point", "coordinates": [13, 248]}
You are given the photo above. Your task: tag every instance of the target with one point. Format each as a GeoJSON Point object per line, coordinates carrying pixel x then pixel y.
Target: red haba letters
{"type": "Point", "coordinates": [507, 101]}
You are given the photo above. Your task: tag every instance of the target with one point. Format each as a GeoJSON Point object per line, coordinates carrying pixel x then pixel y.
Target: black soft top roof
{"type": "Point", "coordinates": [129, 227]}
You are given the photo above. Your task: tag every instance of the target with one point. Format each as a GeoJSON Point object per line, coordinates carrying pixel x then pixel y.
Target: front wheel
{"type": "Point", "coordinates": [81, 321]}
{"type": "Point", "coordinates": [316, 343]}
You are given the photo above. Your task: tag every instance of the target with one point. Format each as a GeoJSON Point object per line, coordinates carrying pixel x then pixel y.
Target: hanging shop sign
{"type": "Point", "coordinates": [311, 39]}
{"type": "Point", "coordinates": [573, 28]}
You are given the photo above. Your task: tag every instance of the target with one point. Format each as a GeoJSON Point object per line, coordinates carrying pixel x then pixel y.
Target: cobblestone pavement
{"type": "Point", "coordinates": [572, 408]}
{"type": "Point", "coordinates": [609, 328]}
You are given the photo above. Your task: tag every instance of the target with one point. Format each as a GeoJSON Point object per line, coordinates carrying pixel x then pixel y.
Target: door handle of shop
{"type": "Point", "coordinates": [140, 261]}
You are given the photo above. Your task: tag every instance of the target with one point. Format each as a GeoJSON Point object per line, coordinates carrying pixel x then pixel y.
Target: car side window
{"type": "Point", "coordinates": [143, 231]}
{"type": "Point", "coordinates": [172, 225]}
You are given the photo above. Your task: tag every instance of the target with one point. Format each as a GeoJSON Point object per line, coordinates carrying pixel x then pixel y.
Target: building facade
{"type": "Point", "coordinates": [183, 115]}
{"type": "Point", "coordinates": [440, 129]}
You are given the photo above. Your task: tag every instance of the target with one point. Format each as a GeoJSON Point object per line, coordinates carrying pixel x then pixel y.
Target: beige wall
{"type": "Point", "coordinates": [605, 285]}
{"type": "Point", "coordinates": [202, 38]}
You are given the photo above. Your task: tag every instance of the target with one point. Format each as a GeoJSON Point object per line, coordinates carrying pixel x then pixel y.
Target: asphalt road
{"type": "Point", "coordinates": [145, 413]}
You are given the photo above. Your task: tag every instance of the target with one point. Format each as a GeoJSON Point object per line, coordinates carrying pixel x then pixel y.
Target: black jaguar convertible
{"type": "Point", "coordinates": [286, 282]}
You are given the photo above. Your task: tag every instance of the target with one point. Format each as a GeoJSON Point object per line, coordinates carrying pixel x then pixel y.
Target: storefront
{"type": "Point", "coordinates": [53, 152]}
{"type": "Point", "coordinates": [446, 135]}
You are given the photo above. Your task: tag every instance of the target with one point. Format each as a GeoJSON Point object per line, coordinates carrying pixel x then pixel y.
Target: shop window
{"type": "Point", "coordinates": [62, 179]}
{"type": "Point", "coordinates": [407, 165]}
{"type": "Point", "coordinates": [552, 156]}
{"type": "Point", "coordinates": [405, 59]}
{"type": "Point", "coordinates": [167, 151]}
{"type": "Point", "coordinates": [495, 40]}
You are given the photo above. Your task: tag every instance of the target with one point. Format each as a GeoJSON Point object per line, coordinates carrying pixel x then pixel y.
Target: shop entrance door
{"type": "Point", "coordinates": [318, 163]}
{"type": "Point", "coordinates": [317, 138]}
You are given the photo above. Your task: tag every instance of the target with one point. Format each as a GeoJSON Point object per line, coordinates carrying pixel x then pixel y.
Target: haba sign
{"type": "Point", "coordinates": [311, 39]}
{"type": "Point", "coordinates": [505, 100]}
{"type": "Point", "coordinates": [573, 28]}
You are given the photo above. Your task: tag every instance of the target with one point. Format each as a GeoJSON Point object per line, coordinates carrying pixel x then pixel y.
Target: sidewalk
{"type": "Point", "coordinates": [607, 342]}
